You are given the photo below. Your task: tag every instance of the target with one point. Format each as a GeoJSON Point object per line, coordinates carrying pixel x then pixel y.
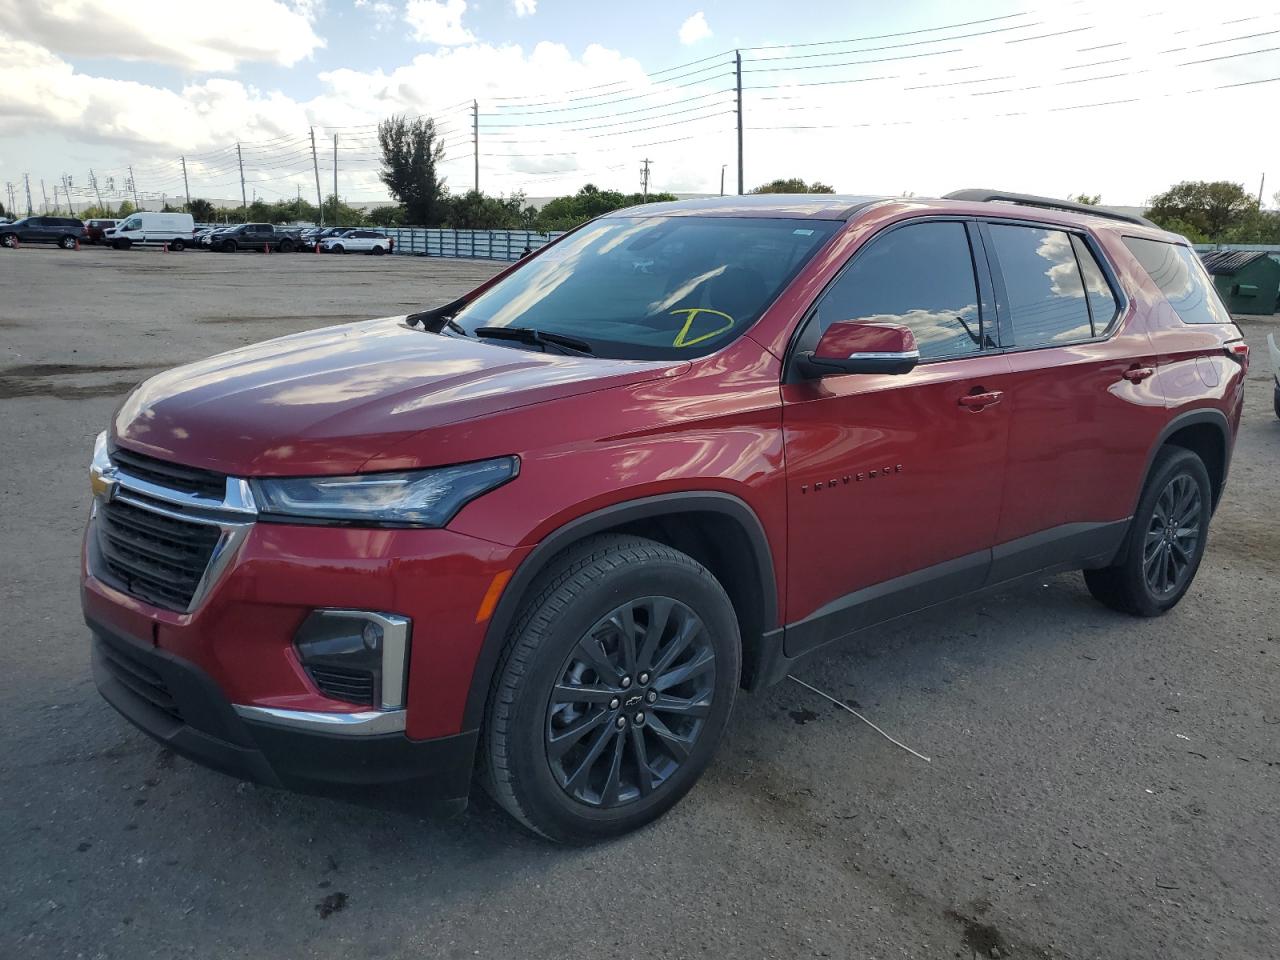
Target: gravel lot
{"type": "Point", "coordinates": [1099, 787]}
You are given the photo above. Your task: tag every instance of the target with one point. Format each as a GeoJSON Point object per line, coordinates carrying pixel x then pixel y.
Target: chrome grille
{"type": "Point", "coordinates": [155, 557]}
{"type": "Point", "coordinates": [174, 476]}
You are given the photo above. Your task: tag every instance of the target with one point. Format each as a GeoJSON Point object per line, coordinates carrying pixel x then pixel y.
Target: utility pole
{"type": "Point", "coordinates": [66, 192]}
{"type": "Point", "coordinates": [316, 164]}
{"type": "Point", "coordinates": [475, 139]}
{"type": "Point", "coordinates": [1260, 186]}
{"type": "Point", "coordinates": [335, 179]}
{"type": "Point", "coordinates": [737, 59]}
{"type": "Point", "coordinates": [55, 199]}
{"type": "Point", "coordinates": [244, 204]}
{"type": "Point", "coordinates": [644, 180]}
{"type": "Point", "coordinates": [93, 180]}
{"type": "Point", "coordinates": [45, 197]}
{"type": "Point", "coordinates": [133, 185]}
{"type": "Point", "coordinates": [27, 178]}
{"type": "Point", "coordinates": [185, 185]}
{"type": "Point", "coordinates": [722, 166]}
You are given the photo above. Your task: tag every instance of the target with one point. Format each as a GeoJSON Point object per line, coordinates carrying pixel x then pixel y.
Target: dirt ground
{"type": "Point", "coordinates": [1100, 786]}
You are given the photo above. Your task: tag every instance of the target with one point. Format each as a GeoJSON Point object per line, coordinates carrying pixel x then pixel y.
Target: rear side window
{"type": "Point", "coordinates": [1178, 273]}
{"type": "Point", "coordinates": [920, 276]}
{"type": "Point", "coordinates": [1102, 299]}
{"type": "Point", "coordinates": [1044, 292]}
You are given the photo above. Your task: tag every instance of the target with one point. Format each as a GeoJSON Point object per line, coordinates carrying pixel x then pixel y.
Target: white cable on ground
{"type": "Point", "coordinates": [845, 706]}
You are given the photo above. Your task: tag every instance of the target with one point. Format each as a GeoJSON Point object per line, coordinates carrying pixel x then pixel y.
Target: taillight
{"type": "Point", "coordinates": [1238, 351]}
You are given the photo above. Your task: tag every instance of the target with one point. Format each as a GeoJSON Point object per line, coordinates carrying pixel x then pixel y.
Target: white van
{"type": "Point", "coordinates": [152, 229]}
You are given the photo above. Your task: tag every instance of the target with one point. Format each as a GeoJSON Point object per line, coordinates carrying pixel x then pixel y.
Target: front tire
{"type": "Point", "coordinates": [339, 248]}
{"type": "Point", "coordinates": [613, 692]}
{"type": "Point", "coordinates": [9, 240]}
{"type": "Point", "coordinates": [1165, 542]}
{"type": "Point", "coordinates": [1275, 399]}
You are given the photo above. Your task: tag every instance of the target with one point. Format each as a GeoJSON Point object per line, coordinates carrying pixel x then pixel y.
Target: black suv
{"type": "Point", "coordinates": [64, 231]}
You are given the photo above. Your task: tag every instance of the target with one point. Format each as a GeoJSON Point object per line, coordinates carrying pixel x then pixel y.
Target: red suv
{"type": "Point", "coordinates": [545, 532]}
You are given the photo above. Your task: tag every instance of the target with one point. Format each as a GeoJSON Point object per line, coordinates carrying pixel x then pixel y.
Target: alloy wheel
{"type": "Point", "coordinates": [1173, 535]}
{"type": "Point", "coordinates": [630, 702]}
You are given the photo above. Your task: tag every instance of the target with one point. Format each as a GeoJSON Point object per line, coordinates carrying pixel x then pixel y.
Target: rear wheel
{"type": "Point", "coordinates": [1275, 399]}
{"type": "Point", "coordinates": [1166, 539]}
{"type": "Point", "coordinates": [67, 242]}
{"type": "Point", "coordinates": [177, 246]}
{"type": "Point", "coordinates": [286, 246]}
{"type": "Point", "coordinates": [613, 692]}
{"type": "Point", "coordinates": [378, 251]}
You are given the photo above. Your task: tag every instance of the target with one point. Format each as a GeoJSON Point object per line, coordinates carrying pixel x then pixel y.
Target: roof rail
{"type": "Point", "coordinates": [1048, 203]}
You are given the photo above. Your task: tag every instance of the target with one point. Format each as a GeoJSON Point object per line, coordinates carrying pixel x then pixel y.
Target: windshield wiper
{"type": "Point", "coordinates": [537, 338]}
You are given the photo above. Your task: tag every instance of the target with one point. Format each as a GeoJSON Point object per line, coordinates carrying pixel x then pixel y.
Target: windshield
{"type": "Point", "coordinates": [652, 288]}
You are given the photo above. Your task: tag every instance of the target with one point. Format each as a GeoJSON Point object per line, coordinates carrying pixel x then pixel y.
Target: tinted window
{"type": "Point", "coordinates": [1178, 273]}
{"type": "Point", "coordinates": [1044, 293]}
{"type": "Point", "coordinates": [920, 276]}
{"type": "Point", "coordinates": [652, 287]}
{"type": "Point", "coordinates": [1102, 299]}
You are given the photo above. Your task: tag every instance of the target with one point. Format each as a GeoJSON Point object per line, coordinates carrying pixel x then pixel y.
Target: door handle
{"type": "Point", "coordinates": [976, 401]}
{"type": "Point", "coordinates": [1138, 374]}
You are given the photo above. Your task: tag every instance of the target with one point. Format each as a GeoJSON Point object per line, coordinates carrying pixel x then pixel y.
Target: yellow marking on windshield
{"type": "Point", "coordinates": [682, 340]}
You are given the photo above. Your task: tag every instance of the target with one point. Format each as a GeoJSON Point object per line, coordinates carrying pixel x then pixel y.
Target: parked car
{"type": "Point", "coordinates": [254, 236]}
{"type": "Point", "coordinates": [95, 230]}
{"type": "Point", "coordinates": [358, 241]}
{"type": "Point", "coordinates": [174, 230]}
{"type": "Point", "coordinates": [549, 529]}
{"type": "Point", "coordinates": [314, 235]}
{"type": "Point", "coordinates": [64, 231]}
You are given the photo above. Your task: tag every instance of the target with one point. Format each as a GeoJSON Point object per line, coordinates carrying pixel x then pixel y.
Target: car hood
{"type": "Point", "coordinates": [329, 400]}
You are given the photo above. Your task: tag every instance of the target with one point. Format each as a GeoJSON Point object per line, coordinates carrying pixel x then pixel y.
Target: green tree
{"type": "Point", "coordinates": [201, 210]}
{"type": "Point", "coordinates": [390, 215]}
{"type": "Point", "coordinates": [339, 214]}
{"type": "Point", "coordinates": [476, 211]}
{"type": "Point", "coordinates": [1088, 199]}
{"type": "Point", "coordinates": [793, 185]}
{"type": "Point", "coordinates": [565, 213]}
{"type": "Point", "coordinates": [125, 209]}
{"type": "Point", "coordinates": [1256, 226]}
{"type": "Point", "coordinates": [1209, 208]}
{"type": "Point", "coordinates": [411, 151]}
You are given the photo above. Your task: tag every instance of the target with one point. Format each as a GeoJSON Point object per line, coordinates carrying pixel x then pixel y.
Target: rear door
{"type": "Point", "coordinates": [1083, 399]}
{"type": "Point", "coordinates": [893, 482]}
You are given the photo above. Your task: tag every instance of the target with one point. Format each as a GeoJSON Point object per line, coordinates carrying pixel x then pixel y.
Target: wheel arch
{"type": "Point", "coordinates": [718, 530]}
{"type": "Point", "coordinates": [1206, 433]}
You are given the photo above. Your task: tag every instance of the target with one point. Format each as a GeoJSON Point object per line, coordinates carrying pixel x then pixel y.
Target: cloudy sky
{"type": "Point", "coordinates": [1118, 97]}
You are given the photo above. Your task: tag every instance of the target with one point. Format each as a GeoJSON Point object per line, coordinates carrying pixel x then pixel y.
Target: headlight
{"type": "Point", "coordinates": [419, 498]}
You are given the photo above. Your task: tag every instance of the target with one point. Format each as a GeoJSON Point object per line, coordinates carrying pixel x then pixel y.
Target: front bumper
{"type": "Point", "coordinates": [178, 704]}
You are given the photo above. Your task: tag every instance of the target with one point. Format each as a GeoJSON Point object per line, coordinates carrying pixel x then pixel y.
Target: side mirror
{"type": "Point", "coordinates": [848, 346]}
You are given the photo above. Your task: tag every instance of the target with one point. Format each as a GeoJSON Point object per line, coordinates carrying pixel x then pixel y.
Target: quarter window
{"type": "Point", "coordinates": [920, 276]}
{"type": "Point", "coordinates": [1102, 300]}
{"type": "Point", "coordinates": [1178, 273]}
{"type": "Point", "coordinates": [1043, 291]}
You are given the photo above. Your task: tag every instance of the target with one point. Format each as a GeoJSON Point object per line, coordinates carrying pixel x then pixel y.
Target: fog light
{"type": "Point", "coordinates": [356, 656]}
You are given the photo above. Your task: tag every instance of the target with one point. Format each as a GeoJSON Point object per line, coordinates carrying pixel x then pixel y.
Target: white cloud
{"type": "Point", "coordinates": [438, 22]}
{"type": "Point", "coordinates": [204, 37]}
{"type": "Point", "coordinates": [694, 29]}
{"type": "Point", "coordinates": [524, 8]}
